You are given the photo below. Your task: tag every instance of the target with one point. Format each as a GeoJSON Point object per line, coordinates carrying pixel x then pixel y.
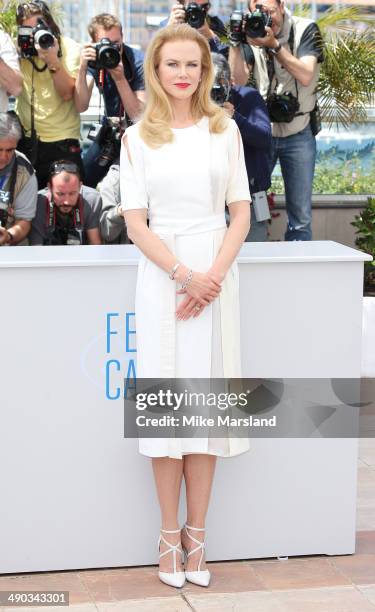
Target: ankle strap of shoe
{"type": "Point", "coordinates": [170, 530]}
{"type": "Point", "coordinates": [195, 528]}
{"type": "Point", "coordinates": [201, 545]}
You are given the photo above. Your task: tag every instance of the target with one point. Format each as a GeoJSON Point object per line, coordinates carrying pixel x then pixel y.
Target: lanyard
{"type": "Point", "coordinates": [271, 66]}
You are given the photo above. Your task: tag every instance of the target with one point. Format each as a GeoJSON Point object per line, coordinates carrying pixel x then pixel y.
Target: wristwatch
{"type": "Point", "coordinates": [276, 49]}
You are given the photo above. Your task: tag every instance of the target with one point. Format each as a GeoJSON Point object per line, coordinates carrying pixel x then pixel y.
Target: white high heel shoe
{"type": "Point", "coordinates": [175, 578]}
{"type": "Point", "coordinates": [200, 577]}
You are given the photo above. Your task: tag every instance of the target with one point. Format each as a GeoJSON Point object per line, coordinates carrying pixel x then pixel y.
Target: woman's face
{"type": "Point", "coordinates": [180, 68]}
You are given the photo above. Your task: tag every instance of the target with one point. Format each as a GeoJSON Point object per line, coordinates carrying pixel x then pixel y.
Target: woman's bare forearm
{"type": "Point", "coordinates": [234, 237]}
{"type": "Point", "coordinates": [152, 246]}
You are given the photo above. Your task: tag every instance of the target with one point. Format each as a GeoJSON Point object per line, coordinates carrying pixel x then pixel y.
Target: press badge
{"type": "Point", "coordinates": [4, 196]}
{"type": "Point", "coordinates": [260, 204]}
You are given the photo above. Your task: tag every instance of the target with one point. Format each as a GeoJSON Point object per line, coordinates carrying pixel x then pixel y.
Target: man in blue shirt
{"type": "Point", "coordinates": [247, 107]}
{"type": "Point", "coordinates": [122, 87]}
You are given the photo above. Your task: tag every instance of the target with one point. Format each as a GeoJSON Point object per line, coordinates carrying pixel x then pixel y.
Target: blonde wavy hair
{"type": "Point", "coordinates": [155, 124]}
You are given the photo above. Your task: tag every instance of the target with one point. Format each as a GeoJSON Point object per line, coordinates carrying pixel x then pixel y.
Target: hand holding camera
{"type": "Point", "coordinates": [268, 40]}
{"type": "Point", "coordinates": [103, 55]}
{"type": "Point", "coordinates": [252, 28]}
{"type": "Point", "coordinates": [4, 236]}
{"type": "Point", "coordinates": [88, 54]}
{"type": "Point", "coordinates": [37, 41]}
{"type": "Point", "coordinates": [49, 55]}
{"type": "Point", "coordinates": [228, 106]}
{"type": "Point", "coordinates": [107, 55]}
{"type": "Point", "coordinates": [177, 14]}
{"type": "Point", "coordinates": [193, 13]}
{"type": "Point", "coordinates": [117, 73]}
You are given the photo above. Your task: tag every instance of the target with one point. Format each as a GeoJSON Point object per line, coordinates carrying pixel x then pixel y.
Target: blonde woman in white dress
{"type": "Point", "coordinates": [180, 164]}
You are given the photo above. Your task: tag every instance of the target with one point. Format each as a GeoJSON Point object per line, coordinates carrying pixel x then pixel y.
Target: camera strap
{"type": "Point", "coordinates": [101, 77]}
{"type": "Point", "coordinates": [51, 213]}
{"type": "Point", "coordinates": [271, 66]}
{"type": "Point", "coordinates": [35, 67]}
{"type": "Point", "coordinates": [33, 134]}
{"type": "Point", "coordinates": [101, 80]}
{"type": "Point", "coordinates": [32, 101]}
{"type": "Point", "coordinates": [8, 194]}
{"type": "Point", "coordinates": [271, 70]}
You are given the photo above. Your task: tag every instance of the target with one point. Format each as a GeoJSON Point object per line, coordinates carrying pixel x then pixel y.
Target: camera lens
{"type": "Point", "coordinates": [108, 55]}
{"type": "Point", "coordinates": [255, 24]}
{"type": "Point", "coordinates": [44, 39]}
{"type": "Point", "coordinates": [195, 15]}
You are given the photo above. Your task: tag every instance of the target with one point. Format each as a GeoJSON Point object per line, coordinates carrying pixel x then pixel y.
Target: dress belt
{"type": "Point", "coordinates": [190, 226]}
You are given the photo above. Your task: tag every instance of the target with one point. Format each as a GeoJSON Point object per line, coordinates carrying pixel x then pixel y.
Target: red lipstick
{"type": "Point", "coordinates": [182, 85]}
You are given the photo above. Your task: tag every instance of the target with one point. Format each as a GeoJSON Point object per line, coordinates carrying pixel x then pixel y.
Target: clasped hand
{"type": "Point", "coordinates": [3, 235]}
{"type": "Point", "coordinates": [203, 289]}
{"type": "Point", "coordinates": [177, 16]}
{"type": "Point", "coordinates": [50, 55]}
{"type": "Point", "coordinates": [88, 54]}
{"type": "Point", "coordinates": [268, 41]}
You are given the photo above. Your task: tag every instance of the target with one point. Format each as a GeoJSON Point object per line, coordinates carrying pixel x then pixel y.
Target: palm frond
{"type": "Point", "coordinates": [335, 18]}
{"type": "Point", "coordinates": [302, 10]}
{"type": "Point", "coordinates": [347, 79]}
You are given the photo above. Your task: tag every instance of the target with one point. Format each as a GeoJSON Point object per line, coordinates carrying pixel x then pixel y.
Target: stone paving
{"type": "Point", "coordinates": [299, 584]}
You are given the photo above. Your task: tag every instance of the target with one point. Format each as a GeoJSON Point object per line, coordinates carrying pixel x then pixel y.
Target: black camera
{"type": "Point", "coordinates": [236, 27]}
{"type": "Point", "coordinates": [29, 37]}
{"type": "Point", "coordinates": [107, 55]}
{"type": "Point", "coordinates": [195, 14]}
{"type": "Point", "coordinates": [3, 215]}
{"type": "Point", "coordinates": [108, 137]}
{"type": "Point", "coordinates": [282, 108]}
{"type": "Point", "coordinates": [315, 120]}
{"type": "Point", "coordinates": [60, 236]}
{"type": "Point", "coordinates": [220, 93]}
{"type": "Point", "coordinates": [256, 22]}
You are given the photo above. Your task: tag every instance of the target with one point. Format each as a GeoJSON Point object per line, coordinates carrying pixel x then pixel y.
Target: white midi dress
{"type": "Point", "coordinates": [185, 185]}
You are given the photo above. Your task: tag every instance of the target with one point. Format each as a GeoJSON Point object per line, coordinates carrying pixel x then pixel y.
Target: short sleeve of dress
{"type": "Point", "coordinates": [238, 182]}
{"type": "Point", "coordinates": [132, 174]}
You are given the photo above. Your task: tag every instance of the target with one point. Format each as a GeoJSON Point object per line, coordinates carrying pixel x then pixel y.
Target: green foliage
{"type": "Point", "coordinates": [347, 79]}
{"type": "Point", "coordinates": [365, 241]}
{"type": "Point", "coordinates": [342, 19]}
{"type": "Point", "coordinates": [8, 17]}
{"type": "Point", "coordinates": [346, 178]}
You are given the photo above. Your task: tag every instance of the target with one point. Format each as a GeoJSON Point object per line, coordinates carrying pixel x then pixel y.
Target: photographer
{"type": "Point", "coordinates": [67, 212]}
{"type": "Point", "coordinates": [117, 70]}
{"type": "Point", "coordinates": [112, 222]}
{"type": "Point", "coordinates": [247, 107]}
{"type": "Point", "coordinates": [49, 64]}
{"type": "Point", "coordinates": [282, 54]}
{"type": "Point", "coordinates": [197, 15]}
{"type": "Point", "coordinates": [18, 185]}
{"type": "Point", "coordinates": [10, 76]}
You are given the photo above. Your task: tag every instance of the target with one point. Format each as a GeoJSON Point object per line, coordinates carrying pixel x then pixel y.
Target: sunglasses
{"type": "Point", "coordinates": [22, 8]}
{"type": "Point", "coordinates": [62, 166]}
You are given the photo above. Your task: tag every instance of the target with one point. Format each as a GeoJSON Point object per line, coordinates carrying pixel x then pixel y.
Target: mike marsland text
{"type": "Point", "coordinates": [200, 421]}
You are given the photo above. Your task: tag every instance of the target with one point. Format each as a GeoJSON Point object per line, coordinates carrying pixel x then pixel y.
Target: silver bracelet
{"type": "Point", "coordinates": [187, 280]}
{"type": "Point", "coordinates": [173, 271]}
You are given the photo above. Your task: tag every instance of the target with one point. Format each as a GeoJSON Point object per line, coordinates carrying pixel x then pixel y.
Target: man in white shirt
{"type": "Point", "coordinates": [10, 75]}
